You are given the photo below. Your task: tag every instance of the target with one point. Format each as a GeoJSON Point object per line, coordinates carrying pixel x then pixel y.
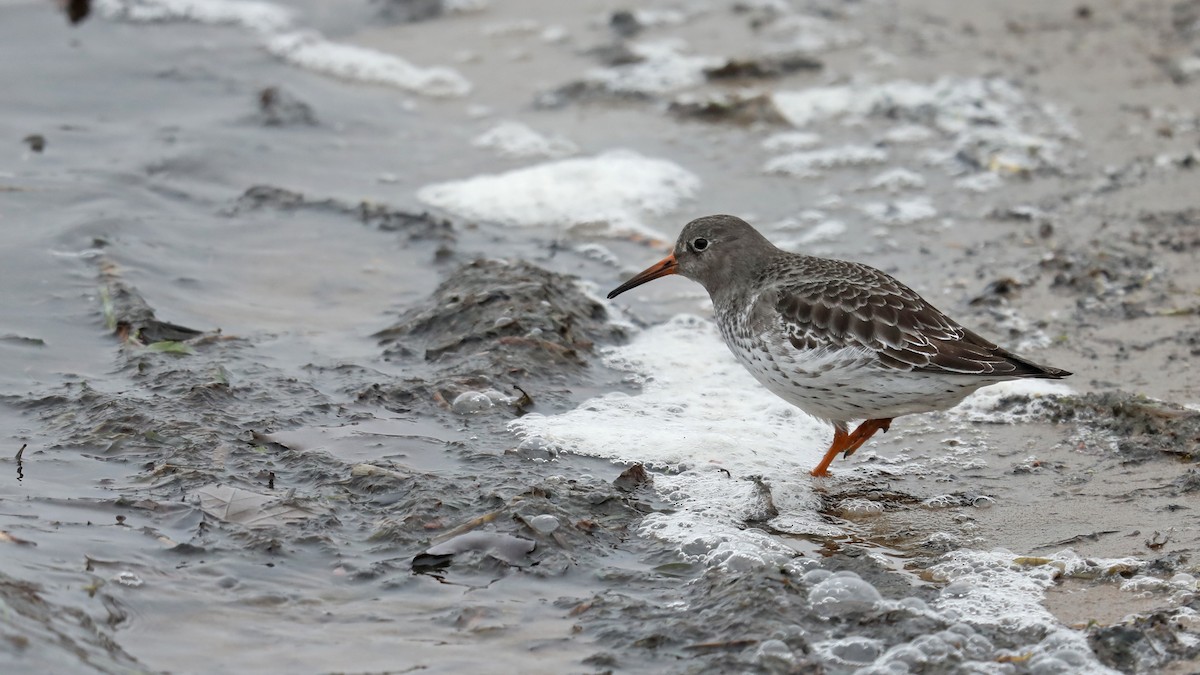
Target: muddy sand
{"type": "Point", "coordinates": [305, 366]}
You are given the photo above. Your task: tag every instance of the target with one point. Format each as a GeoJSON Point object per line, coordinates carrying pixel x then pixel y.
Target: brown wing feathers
{"type": "Point", "coordinates": [868, 309]}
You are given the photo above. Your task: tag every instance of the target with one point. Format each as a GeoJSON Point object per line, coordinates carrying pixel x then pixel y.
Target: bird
{"type": "Point", "coordinates": [840, 340]}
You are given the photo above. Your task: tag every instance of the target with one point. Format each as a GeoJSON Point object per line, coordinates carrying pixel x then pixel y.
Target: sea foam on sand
{"type": "Point", "coordinates": [705, 421]}
{"type": "Point", "coordinates": [310, 50]}
{"type": "Point", "coordinates": [613, 191]}
{"type": "Point", "coordinates": [514, 139]}
{"type": "Point", "coordinates": [304, 48]}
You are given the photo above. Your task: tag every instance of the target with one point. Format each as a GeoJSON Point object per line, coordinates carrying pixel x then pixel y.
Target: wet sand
{"type": "Point", "coordinates": [333, 470]}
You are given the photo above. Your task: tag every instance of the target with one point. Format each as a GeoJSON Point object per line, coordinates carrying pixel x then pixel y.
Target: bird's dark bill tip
{"type": "Point", "coordinates": [659, 269]}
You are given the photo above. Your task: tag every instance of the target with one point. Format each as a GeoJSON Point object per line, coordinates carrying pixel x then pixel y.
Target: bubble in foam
{"type": "Point", "coordinates": [814, 577]}
{"type": "Point", "coordinates": [842, 594]}
{"type": "Point", "coordinates": [544, 524]}
{"type": "Point", "coordinates": [536, 447]}
{"type": "Point", "coordinates": [775, 652]}
{"type": "Point", "coordinates": [850, 651]}
{"type": "Point", "coordinates": [940, 502]}
{"type": "Point", "coordinates": [856, 507]}
{"type": "Point", "coordinates": [957, 589]}
{"type": "Point", "coordinates": [471, 402]}
{"type": "Point", "coordinates": [983, 502]}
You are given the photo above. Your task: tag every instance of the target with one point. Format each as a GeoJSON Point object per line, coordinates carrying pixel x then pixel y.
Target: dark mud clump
{"type": "Point", "coordinates": [1112, 282]}
{"type": "Point", "coordinates": [764, 67]}
{"type": "Point", "coordinates": [494, 323]}
{"type": "Point", "coordinates": [728, 107]}
{"type": "Point", "coordinates": [1146, 644]}
{"type": "Point", "coordinates": [1143, 428]}
{"type": "Point", "coordinates": [420, 226]}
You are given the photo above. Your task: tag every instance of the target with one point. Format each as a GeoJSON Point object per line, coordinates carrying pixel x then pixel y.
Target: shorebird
{"type": "Point", "coordinates": [840, 340]}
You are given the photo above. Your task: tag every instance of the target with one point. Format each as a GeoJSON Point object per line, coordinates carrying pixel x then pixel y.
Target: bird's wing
{"type": "Point", "coordinates": [865, 309]}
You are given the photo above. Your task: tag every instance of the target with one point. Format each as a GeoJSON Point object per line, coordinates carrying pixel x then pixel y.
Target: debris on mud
{"type": "Point", "coordinates": [128, 315]}
{"type": "Point", "coordinates": [503, 547]}
{"type": "Point", "coordinates": [1141, 428]}
{"type": "Point", "coordinates": [421, 226]}
{"type": "Point", "coordinates": [735, 107]}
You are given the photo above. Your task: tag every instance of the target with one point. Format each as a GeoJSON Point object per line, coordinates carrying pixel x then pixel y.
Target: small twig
{"type": "Point", "coordinates": [21, 451]}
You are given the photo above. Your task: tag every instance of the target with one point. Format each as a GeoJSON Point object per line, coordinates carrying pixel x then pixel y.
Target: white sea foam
{"type": "Point", "coordinates": [310, 50]}
{"type": "Point", "coordinates": [898, 180]}
{"type": "Point", "coordinates": [979, 182]}
{"type": "Point", "coordinates": [989, 588]}
{"type": "Point", "coordinates": [949, 103]}
{"type": "Point", "coordinates": [514, 139]}
{"type": "Point", "coordinates": [811, 163]}
{"type": "Point", "coordinates": [261, 16]}
{"type": "Point", "coordinates": [826, 230]}
{"type": "Point", "coordinates": [304, 48]}
{"type": "Point", "coordinates": [901, 211]}
{"type": "Point", "coordinates": [712, 443]}
{"type": "Point", "coordinates": [985, 405]}
{"type": "Point", "coordinates": [613, 191]}
{"type": "Point", "coordinates": [987, 121]}
{"type": "Point", "coordinates": [788, 141]}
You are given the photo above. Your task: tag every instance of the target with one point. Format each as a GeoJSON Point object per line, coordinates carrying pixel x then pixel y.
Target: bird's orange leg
{"type": "Point", "coordinates": [840, 439]}
{"type": "Point", "coordinates": [864, 431]}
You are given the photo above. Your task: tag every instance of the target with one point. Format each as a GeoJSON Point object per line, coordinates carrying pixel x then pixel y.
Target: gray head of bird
{"type": "Point", "coordinates": [713, 250]}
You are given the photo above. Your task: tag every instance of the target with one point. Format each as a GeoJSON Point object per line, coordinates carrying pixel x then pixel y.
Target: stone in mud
{"type": "Point", "coordinates": [279, 108]}
{"type": "Point", "coordinates": [625, 24]}
{"type": "Point", "coordinates": [494, 324]}
{"type": "Point", "coordinates": [36, 142]}
{"type": "Point", "coordinates": [420, 226]}
{"type": "Point", "coordinates": [76, 10]}
{"type": "Point", "coordinates": [633, 478]}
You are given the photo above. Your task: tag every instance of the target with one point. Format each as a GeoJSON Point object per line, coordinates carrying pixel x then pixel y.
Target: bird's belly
{"type": "Point", "coordinates": [852, 385]}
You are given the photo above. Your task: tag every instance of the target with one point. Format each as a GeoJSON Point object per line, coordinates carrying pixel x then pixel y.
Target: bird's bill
{"type": "Point", "coordinates": [659, 269]}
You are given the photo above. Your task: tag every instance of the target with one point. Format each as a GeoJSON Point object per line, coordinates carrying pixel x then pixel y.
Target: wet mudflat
{"type": "Point", "coordinates": [302, 334]}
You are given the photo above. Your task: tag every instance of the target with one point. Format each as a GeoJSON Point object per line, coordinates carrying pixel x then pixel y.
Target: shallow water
{"type": "Point", "coordinates": [275, 497]}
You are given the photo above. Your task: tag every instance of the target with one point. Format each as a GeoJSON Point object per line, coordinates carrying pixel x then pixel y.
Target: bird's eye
{"type": "Point", "coordinates": [699, 244]}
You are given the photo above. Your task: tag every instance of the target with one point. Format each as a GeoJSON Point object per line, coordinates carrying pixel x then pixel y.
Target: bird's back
{"type": "Point", "coordinates": [843, 340]}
